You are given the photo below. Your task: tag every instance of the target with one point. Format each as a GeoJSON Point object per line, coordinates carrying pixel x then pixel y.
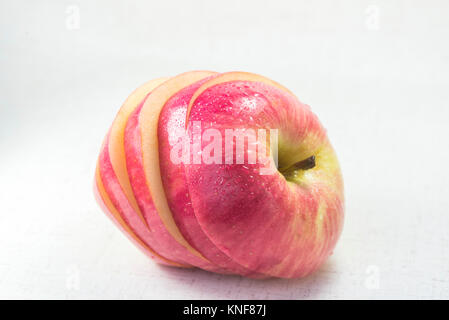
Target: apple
{"type": "Point", "coordinates": [219, 208]}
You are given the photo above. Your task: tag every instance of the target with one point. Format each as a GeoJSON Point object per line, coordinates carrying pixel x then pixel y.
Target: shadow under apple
{"type": "Point", "coordinates": [207, 285]}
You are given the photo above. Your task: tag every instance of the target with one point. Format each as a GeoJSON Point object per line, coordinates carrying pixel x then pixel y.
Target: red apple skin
{"type": "Point", "coordinates": [170, 130]}
{"type": "Point", "coordinates": [263, 222]}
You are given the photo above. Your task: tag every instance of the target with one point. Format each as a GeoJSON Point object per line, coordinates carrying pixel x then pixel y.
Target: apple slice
{"type": "Point", "coordinates": [144, 171]}
{"type": "Point", "coordinates": [122, 212]}
{"type": "Point", "coordinates": [232, 76]}
{"type": "Point", "coordinates": [116, 144]}
{"type": "Point", "coordinates": [108, 207]}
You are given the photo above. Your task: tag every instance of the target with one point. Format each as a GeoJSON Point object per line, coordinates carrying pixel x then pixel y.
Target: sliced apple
{"type": "Point", "coordinates": [222, 217]}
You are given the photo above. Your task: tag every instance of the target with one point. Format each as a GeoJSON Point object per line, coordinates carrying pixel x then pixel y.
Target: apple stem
{"type": "Point", "coordinates": [305, 164]}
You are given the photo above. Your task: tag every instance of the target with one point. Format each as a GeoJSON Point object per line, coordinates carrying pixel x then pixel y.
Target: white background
{"type": "Point", "coordinates": [376, 73]}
